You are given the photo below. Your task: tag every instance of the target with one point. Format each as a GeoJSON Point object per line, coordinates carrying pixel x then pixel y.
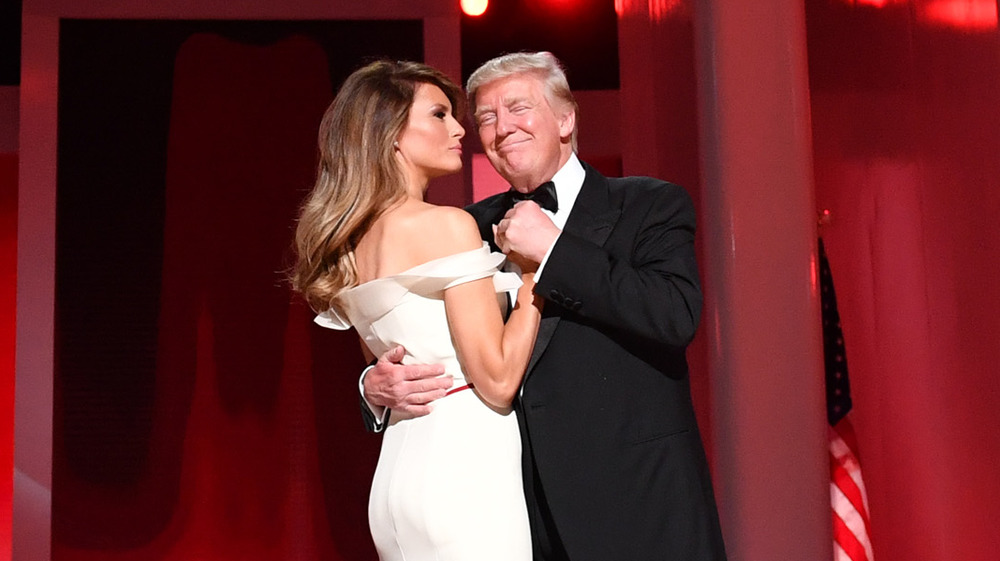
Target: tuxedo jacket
{"type": "Point", "coordinates": [607, 424]}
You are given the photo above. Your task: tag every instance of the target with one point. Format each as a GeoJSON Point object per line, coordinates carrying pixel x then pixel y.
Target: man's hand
{"type": "Point", "coordinates": [526, 230]}
{"type": "Point", "coordinates": [405, 388]}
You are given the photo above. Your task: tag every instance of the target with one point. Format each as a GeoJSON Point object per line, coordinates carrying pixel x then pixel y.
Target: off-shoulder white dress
{"type": "Point", "coordinates": [448, 485]}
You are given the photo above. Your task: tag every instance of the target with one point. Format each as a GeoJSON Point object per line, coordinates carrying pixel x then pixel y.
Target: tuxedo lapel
{"type": "Point", "coordinates": [487, 213]}
{"type": "Point", "coordinates": [595, 212]}
{"type": "Point", "coordinates": [593, 217]}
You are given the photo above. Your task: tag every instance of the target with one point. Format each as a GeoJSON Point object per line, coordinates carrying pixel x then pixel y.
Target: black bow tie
{"type": "Point", "coordinates": [544, 196]}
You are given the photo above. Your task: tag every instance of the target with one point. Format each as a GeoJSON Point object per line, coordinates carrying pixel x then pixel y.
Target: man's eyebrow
{"type": "Point", "coordinates": [506, 102]}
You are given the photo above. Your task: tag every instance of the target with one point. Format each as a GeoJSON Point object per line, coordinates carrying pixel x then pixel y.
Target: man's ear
{"type": "Point", "coordinates": [567, 122]}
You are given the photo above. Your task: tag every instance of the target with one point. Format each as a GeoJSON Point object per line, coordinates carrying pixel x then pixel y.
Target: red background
{"type": "Point", "coordinates": [8, 325]}
{"type": "Point", "coordinates": [240, 439]}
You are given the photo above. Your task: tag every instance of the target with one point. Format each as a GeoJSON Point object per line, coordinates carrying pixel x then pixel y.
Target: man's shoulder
{"type": "Point", "coordinates": [642, 183]}
{"type": "Point", "coordinates": [634, 184]}
{"type": "Point", "coordinates": [484, 207]}
{"type": "Point", "coordinates": [650, 196]}
{"type": "Point", "coordinates": [643, 188]}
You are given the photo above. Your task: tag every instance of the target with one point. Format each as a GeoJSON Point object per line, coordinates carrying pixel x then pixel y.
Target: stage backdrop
{"type": "Point", "coordinates": [906, 129]}
{"type": "Point", "coordinates": [8, 325]}
{"type": "Point", "coordinates": [199, 414]}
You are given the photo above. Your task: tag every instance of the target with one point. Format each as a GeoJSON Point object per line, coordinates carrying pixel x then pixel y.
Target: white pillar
{"type": "Point", "coordinates": [443, 50]}
{"type": "Point", "coordinates": [36, 248]}
{"type": "Point", "coordinates": [762, 313]}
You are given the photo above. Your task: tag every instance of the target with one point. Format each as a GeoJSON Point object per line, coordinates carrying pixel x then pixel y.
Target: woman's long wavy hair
{"type": "Point", "coordinates": [358, 177]}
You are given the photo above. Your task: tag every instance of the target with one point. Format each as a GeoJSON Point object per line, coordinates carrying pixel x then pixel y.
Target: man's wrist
{"type": "Point", "coordinates": [378, 412]}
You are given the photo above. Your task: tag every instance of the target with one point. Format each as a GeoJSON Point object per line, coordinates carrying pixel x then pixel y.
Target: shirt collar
{"type": "Point", "coordinates": [569, 181]}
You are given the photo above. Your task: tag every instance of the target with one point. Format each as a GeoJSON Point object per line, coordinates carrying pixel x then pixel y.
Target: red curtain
{"type": "Point", "coordinates": [8, 324]}
{"type": "Point", "coordinates": [906, 127]}
{"type": "Point", "coordinates": [251, 445]}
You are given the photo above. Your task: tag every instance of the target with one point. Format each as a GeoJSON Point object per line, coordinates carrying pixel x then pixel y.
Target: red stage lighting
{"type": "Point", "coordinates": [970, 15]}
{"type": "Point", "coordinates": [874, 3]}
{"type": "Point", "coordinates": [658, 9]}
{"type": "Point", "coordinates": [474, 7]}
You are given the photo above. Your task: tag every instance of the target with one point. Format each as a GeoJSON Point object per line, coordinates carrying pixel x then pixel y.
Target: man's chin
{"type": "Point", "coordinates": [513, 170]}
{"type": "Point", "coordinates": [515, 180]}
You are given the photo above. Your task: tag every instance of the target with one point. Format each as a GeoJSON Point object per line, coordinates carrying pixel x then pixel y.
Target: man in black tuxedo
{"type": "Point", "coordinates": [614, 466]}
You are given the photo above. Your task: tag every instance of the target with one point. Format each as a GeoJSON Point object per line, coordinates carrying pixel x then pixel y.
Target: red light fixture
{"type": "Point", "coordinates": [658, 9]}
{"type": "Point", "coordinates": [971, 15]}
{"type": "Point", "coordinates": [474, 7]}
{"type": "Point", "coordinates": [967, 15]}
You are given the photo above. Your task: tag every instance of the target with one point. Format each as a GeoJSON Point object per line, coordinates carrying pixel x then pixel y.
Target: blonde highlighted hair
{"type": "Point", "coordinates": [358, 176]}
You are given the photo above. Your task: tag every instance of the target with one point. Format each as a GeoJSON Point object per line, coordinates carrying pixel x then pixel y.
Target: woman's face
{"type": "Point", "coordinates": [431, 143]}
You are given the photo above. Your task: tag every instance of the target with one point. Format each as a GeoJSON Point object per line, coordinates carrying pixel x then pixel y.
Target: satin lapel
{"type": "Point", "coordinates": [593, 217]}
{"type": "Point", "coordinates": [595, 211]}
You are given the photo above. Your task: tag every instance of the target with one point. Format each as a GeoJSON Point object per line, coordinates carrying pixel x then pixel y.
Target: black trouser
{"type": "Point", "coordinates": [545, 541]}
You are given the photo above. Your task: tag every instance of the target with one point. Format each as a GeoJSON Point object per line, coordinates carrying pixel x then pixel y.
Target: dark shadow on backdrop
{"type": "Point", "coordinates": [114, 115]}
{"type": "Point", "coordinates": [10, 42]}
{"type": "Point", "coordinates": [583, 34]}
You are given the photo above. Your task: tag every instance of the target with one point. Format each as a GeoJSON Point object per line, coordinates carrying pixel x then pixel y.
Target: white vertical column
{"type": "Point", "coordinates": [443, 50]}
{"type": "Point", "coordinates": [36, 246]}
{"type": "Point", "coordinates": [762, 313]}
{"type": "Point", "coordinates": [637, 49]}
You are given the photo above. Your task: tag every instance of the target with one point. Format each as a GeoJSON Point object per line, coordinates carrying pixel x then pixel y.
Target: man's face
{"type": "Point", "coordinates": [525, 138]}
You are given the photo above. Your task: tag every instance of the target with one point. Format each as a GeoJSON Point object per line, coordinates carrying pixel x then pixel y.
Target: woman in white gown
{"type": "Point", "coordinates": [373, 255]}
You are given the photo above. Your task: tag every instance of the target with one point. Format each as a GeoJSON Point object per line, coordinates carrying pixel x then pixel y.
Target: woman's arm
{"type": "Point", "coordinates": [494, 355]}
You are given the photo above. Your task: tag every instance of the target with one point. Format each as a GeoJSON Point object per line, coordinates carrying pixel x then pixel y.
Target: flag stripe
{"type": "Point", "coordinates": [846, 453]}
{"type": "Point", "coordinates": [848, 500]}
{"type": "Point", "coordinates": [846, 539]}
{"type": "Point", "coordinates": [845, 485]}
{"type": "Point", "coordinates": [846, 433]}
{"type": "Point", "coordinates": [854, 518]}
{"type": "Point", "coordinates": [848, 481]}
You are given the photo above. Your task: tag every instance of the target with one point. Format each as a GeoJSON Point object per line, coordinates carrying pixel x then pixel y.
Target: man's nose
{"type": "Point", "coordinates": [505, 123]}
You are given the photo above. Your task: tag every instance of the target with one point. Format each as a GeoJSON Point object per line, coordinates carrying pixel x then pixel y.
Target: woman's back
{"type": "Point", "coordinates": [463, 458]}
{"type": "Point", "coordinates": [404, 261]}
{"type": "Point", "coordinates": [408, 234]}
{"type": "Point", "coordinates": [407, 308]}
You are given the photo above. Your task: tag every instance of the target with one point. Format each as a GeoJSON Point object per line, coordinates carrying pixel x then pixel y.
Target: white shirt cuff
{"type": "Point", "coordinates": [380, 413]}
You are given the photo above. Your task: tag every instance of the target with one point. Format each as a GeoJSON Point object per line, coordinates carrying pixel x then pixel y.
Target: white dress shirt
{"type": "Point", "coordinates": [568, 181]}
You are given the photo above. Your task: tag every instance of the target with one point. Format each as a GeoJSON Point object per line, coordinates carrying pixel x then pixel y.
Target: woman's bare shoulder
{"type": "Point", "coordinates": [444, 230]}
{"type": "Point", "coordinates": [418, 232]}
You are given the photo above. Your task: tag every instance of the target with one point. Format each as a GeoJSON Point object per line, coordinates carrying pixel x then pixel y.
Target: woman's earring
{"type": "Point", "coordinates": [395, 144]}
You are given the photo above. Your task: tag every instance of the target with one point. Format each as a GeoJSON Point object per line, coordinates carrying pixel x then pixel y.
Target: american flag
{"type": "Point", "coordinates": [848, 500]}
